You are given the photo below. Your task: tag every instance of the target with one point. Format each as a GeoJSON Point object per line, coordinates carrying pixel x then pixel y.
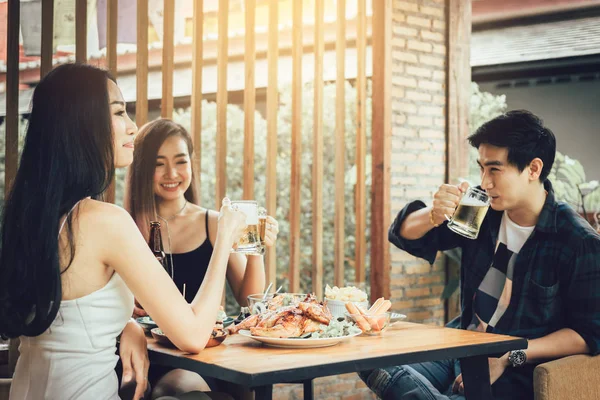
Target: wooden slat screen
{"type": "Point", "coordinates": [168, 55]}
{"type": "Point", "coordinates": [381, 149]}
{"type": "Point", "coordinates": [360, 195]}
{"type": "Point", "coordinates": [141, 103]}
{"type": "Point", "coordinates": [296, 156]}
{"type": "Point", "coordinates": [197, 51]}
{"type": "Point", "coordinates": [81, 31]}
{"type": "Point", "coordinates": [249, 101]}
{"type": "Point", "coordinates": [317, 166]}
{"type": "Point", "coordinates": [11, 149]}
{"type": "Point", "coordinates": [272, 106]}
{"type": "Point", "coordinates": [221, 156]}
{"type": "Point", "coordinates": [381, 116]}
{"type": "Point", "coordinates": [340, 144]}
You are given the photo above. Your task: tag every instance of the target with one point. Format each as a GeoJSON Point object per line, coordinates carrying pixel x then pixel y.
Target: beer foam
{"type": "Point", "coordinates": [470, 201]}
{"type": "Point", "coordinates": [251, 211]}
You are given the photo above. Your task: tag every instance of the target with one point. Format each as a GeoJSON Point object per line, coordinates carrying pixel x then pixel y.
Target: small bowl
{"type": "Point", "coordinates": [257, 305]}
{"type": "Point", "coordinates": [338, 307]}
{"type": "Point", "coordinates": [373, 325]}
{"type": "Point", "coordinates": [217, 340]}
{"type": "Point", "coordinates": [147, 323]}
{"type": "Point", "coordinates": [160, 337]}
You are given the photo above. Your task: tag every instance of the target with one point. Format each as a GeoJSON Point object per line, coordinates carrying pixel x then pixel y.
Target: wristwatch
{"type": "Point", "coordinates": [517, 358]}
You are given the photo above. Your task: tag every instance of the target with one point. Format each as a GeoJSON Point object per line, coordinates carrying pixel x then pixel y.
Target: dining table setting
{"type": "Point", "coordinates": [295, 338]}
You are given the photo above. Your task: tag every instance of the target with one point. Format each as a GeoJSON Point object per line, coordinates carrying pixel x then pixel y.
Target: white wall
{"type": "Point", "coordinates": [571, 110]}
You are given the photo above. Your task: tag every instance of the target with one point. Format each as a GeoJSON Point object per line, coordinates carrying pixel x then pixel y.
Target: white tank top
{"type": "Point", "coordinates": [76, 357]}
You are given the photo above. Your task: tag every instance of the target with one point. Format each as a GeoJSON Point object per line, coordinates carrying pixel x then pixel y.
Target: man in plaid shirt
{"type": "Point", "coordinates": [533, 271]}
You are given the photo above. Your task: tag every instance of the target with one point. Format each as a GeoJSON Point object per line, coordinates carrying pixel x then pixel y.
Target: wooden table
{"type": "Point", "coordinates": [246, 362]}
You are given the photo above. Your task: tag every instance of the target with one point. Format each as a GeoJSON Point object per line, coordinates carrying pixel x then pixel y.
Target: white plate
{"type": "Point", "coordinates": [296, 343]}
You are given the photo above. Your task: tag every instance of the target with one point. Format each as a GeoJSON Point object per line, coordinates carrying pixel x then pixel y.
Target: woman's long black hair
{"type": "Point", "coordinates": [68, 155]}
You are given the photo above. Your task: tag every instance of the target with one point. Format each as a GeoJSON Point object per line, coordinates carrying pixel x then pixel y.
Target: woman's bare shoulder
{"type": "Point", "coordinates": [104, 218]}
{"type": "Point", "coordinates": [90, 208]}
{"type": "Point", "coordinates": [198, 212]}
{"type": "Point", "coordinates": [213, 224]}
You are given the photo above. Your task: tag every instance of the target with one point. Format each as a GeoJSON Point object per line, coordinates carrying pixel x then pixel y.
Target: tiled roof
{"type": "Point", "coordinates": [543, 41]}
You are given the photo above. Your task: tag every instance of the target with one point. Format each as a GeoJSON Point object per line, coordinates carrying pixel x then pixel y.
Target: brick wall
{"type": "Point", "coordinates": [418, 143]}
{"type": "Point", "coordinates": [340, 387]}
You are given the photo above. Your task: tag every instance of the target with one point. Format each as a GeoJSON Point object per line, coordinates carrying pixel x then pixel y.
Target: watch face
{"type": "Point", "coordinates": [517, 358]}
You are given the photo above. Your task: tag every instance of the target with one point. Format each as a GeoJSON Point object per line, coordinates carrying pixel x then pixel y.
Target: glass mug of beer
{"type": "Point", "coordinates": [262, 228]}
{"type": "Point", "coordinates": [249, 242]}
{"type": "Point", "coordinates": [469, 214]}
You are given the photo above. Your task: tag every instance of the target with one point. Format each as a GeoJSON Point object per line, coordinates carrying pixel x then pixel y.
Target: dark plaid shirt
{"type": "Point", "coordinates": [556, 281]}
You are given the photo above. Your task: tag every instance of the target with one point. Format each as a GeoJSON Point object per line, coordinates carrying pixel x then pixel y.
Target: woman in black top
{"type": "Point", "coordinates": [161, 186]}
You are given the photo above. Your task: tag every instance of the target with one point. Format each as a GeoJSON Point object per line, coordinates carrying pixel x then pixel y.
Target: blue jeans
{"type": "Point", "coordinates": [423, 381]}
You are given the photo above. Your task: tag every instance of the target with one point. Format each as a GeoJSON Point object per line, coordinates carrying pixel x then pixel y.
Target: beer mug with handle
{"type": "Point", "coordinates": [469, 214]}
{"type": "Point", "coordinates": [262, 227]}
{"type": "Point", "coordinates": [249, 242]}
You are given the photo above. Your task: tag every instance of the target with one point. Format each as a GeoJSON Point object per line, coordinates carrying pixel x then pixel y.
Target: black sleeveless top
{"type": "Point", "coordinates": [190, 268]}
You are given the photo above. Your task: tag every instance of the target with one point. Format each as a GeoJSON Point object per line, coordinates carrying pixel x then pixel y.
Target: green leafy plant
{"type": "Point", "coordinates": [570, 184]}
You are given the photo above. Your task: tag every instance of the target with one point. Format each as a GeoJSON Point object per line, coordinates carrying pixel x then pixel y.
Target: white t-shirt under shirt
{"type": "Point", "coordinates": [493, 295]}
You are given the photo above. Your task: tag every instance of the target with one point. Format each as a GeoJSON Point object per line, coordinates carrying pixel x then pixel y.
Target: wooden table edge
{"type": "Point", "coordinates": [310, 372]}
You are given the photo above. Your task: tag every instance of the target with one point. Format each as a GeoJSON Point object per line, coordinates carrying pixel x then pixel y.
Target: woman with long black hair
{"type": "Point", "coordinates": [71, 264]}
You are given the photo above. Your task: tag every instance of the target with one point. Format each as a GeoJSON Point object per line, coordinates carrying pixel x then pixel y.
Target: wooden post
{"type": "Point", "coordinates": [197, 54]}
{"type": "Point", "coordinates": [11, 149]}
{"type": "Point", "coordinates": [296, 160]}
{"type": "Point", "coordinates": [112, 8]}
{"type": "Point", "coordinates": [317, 165]}
{"type": "Point", "coordinates": [168, 54]}
{"type": "Point", "coordinates": [81, 31]}
{"type": "Point", "coordinates": [221, 170]}
{"type": "Point", "coordinates": [459, 89]}
{"type": "Point", "coordinates": [381, 149]}
{"type": "Point", "coordinates": [340, 144]}
{"type": "Point", "coordinates": [47, 37]}
{"type": "Point", "coordinates": [458, 98]}
{"type": "Point", "coordinates": [112, 16]}
{"type": "Point", "coordinates": [249, 101]}
{"type": "Point", "coordinates": [272, 107]}
{"type": "Point", "coordinates": [360, 195]}
{"type": "Point", "coordinates": [141, 73]}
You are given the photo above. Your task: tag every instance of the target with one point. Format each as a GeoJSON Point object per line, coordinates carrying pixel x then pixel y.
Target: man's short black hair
{"type": "Point", "coordinates": [525, 137]}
